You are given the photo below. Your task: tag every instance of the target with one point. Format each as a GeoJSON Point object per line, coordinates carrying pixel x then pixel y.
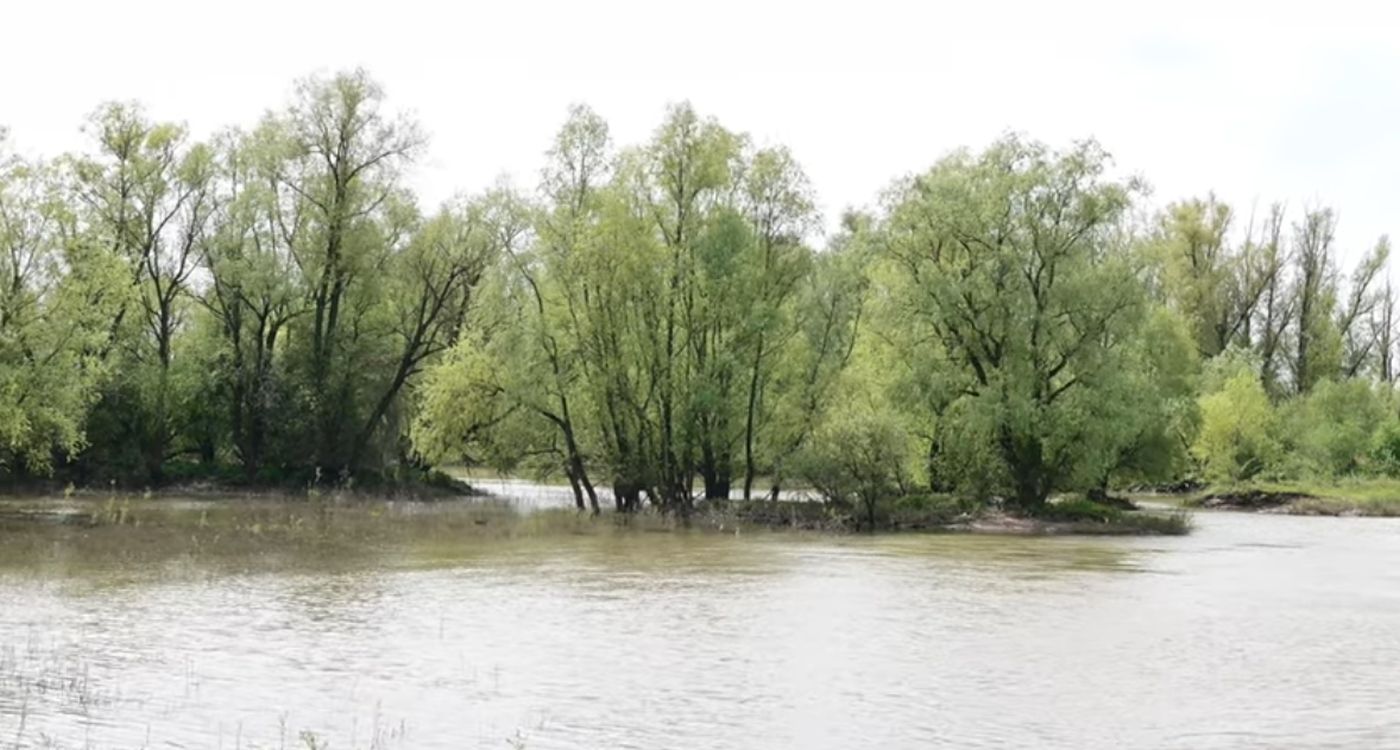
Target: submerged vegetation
{"type": "Point", "coordinates": [272, 307]}
{"type": "Point", "coordinates": [1335, 497]}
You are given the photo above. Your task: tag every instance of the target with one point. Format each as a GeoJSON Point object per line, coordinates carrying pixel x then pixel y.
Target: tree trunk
{"type": "Point", "coordinates": [627, 495]}
{"type": "Point", "coordinates": [749, 420]}
{"type": "Point", "coordinates": [715, 475]}
{"type": "Point", "coordinates": [575, 458]}
{"type": "Point", "coordinates": [574, 485]}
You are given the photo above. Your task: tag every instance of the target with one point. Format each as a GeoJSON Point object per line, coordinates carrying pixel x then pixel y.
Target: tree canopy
{"type": "Point", "coordinates": [665, 323]}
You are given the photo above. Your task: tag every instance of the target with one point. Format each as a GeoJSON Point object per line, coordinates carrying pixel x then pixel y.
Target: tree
{"type": "Point", "coordinates": [58, 295]}
{"type": "Point", "coordinates": [1361, 340]}
{"type": "Point", "coordinates": [827, 313]}
{"type": "Point", "coordinates": [342, 214]}
{"type": "Point", "coordinates": [1316, 350]}
{"type": "Point", "coordinates": [148, 195]}
{"type": "Point", "coordinates": [1162, 373]}
{"type": "Point", "coordinates": [1274, 313]}
{"type": "Point", "coordinates": [253, 294]}
{"type": "Point", "coordinates": [1383, 333]}
{"type": "Point", "coordinates": [780, 207]}
{"type": "Point", "coordinates": [1009, 266]}
{"type": "Point", "coordinates": [579, 164]}
{"type": "Point", "coordinates": [1215, 286]}
{"type": "Point", "coordinates": [689, 168]}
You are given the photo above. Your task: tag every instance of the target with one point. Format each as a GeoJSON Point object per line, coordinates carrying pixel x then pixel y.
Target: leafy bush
{"type": "Point", "coordinates": [1236, 440]}
{"type": "Point", "coordinates": [1385, 448]}
{"type": "Point", "coordinates": [858, 457]}
{"type": "Point", "coordinates": [1329, 431]}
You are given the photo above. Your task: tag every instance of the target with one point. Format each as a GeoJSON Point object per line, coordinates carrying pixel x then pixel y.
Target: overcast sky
{"type": "Point", "coordinates": [1256, 101]}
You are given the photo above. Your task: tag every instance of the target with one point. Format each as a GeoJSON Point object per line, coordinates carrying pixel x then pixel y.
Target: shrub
{"type": "Point", "coordinates": [1236, 440]}
{"type": "Point", "coordinates": [1329, 431]}
{"type": "Point", "coordinates": [857, 458]}
{"type": "Point", "coordinates": [1385, 448]}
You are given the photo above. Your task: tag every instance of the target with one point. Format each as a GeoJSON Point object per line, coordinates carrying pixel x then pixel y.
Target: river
{"type": "Point", "coordinates": [1256, 631]}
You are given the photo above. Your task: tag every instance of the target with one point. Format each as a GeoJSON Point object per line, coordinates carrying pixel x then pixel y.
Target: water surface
{"type": "Point", "coordinates": [1254, 632]}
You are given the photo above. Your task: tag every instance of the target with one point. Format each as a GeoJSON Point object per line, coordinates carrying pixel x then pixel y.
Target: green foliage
{"type": "Point", "coordinates": [1330, 430]}
{"type": "Point", "coordinates": [1237, 437]}
{"type": "Point", "coordinates": [1385, 447]}
{"type": "Point", "coordinates": [858, 457]}
{"type": "Point", "coordinates": [662, 322]}
{"type": "Point", "coordinates": [1010, 265]}
{"type": "Point", "coordinates": [273, 305]}
{"type": "Point", "coordinates": [1165, 375]}
{"type": "Point", "coordinates": [58, 297]}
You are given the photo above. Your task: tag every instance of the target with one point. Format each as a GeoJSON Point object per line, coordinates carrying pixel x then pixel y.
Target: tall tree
{"type": "Point", "coordinates": [579, 165]}
{"type": "Point", "coordinates": [1008, 264]}
{"type": "Point", "coordinates": [338, 188]}
{"type": "Point", "coordinates": [1354, 316]}
{"type": "Point", "coordinates": [778, 200]}
{"type": "Point", "coordinates": [59, 292]}
{"type": "Point", "coordinates": [148, 195]}
{"type": "Point", "coordinates": [253, 293]}
{"type": "Point", "coordinates": [1383, 331]}
{"type": "Point", "coordinates": [1316, 349]}
{"type": "Point", "coordinates": [1274, 314]}
{"type": "Point", "coordinates": [1215, 285]}
{"type": "Point", "coordinates": [691, 164]}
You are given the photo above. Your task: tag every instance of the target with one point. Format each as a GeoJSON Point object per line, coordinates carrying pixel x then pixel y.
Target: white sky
{"type": "Point", "coordinates": [1257, 101]}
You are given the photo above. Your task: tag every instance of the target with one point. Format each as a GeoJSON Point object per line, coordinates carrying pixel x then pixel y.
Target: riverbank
{"type": "Point", "coordinates": [217, 485]}
{"type": "Point", "coordinates": [946, 514]}
{"type": "Point", "coordinates": [1361, 497]}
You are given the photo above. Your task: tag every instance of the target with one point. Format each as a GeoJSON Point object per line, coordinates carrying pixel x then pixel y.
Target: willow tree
{"type": "Point", "coordinates": [253, 294]}
{"type": "Point", "coordinates": [556, 309]}
{"type": "Point", "coordinates": [1315, 350]}
{"type": "Point", "coordinates": [1214, 283]}
{"type": "Point", "coordinates": [825, 313]}
{"type": "Point", "coordinates": [58, 295]}
{"type": "Point", "coordinates": [148, 194]}
{"type": "Point", "coordinates": [779, 204]}
{"type": "Point", "coordinates": [1012, 265]}
{"type": "Point", "coordinates": [337, 170]}
{"type": "Point", "coordinates": [1362, 342]}
{"type": "Point", "coordinates": [617, 296]}
{"type": "Point", "coordinates": [690, 170]}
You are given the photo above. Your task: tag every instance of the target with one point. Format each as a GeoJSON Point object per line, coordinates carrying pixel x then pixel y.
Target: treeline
{"type": "Point", "coordinates": [263, 300]}
{"type": "Point", "coordinates": [655, 319]}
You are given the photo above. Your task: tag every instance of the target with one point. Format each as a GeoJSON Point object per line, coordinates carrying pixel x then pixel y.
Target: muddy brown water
{"type": "Point", "coordinates": [1257, 631]}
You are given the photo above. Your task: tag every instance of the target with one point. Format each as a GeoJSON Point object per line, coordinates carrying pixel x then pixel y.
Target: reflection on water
{"type": "Point", "coordinates": [1256, 631]}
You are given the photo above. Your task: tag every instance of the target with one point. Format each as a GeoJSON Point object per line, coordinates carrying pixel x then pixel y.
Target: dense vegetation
{"type": "Point", "coordinates": [273, 305]}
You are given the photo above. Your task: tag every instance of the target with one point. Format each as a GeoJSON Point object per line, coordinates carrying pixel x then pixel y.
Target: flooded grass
{"type": "Point", "coordinates": [270, 532]}
{"type": "Point", "coordinates": [1377, 497]}
{"type": "Point", "coordinates": [43, 677]}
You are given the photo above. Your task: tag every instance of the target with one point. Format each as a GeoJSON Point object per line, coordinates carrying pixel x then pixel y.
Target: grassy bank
{"type": "Point", "coordinates": [1343, 497]}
